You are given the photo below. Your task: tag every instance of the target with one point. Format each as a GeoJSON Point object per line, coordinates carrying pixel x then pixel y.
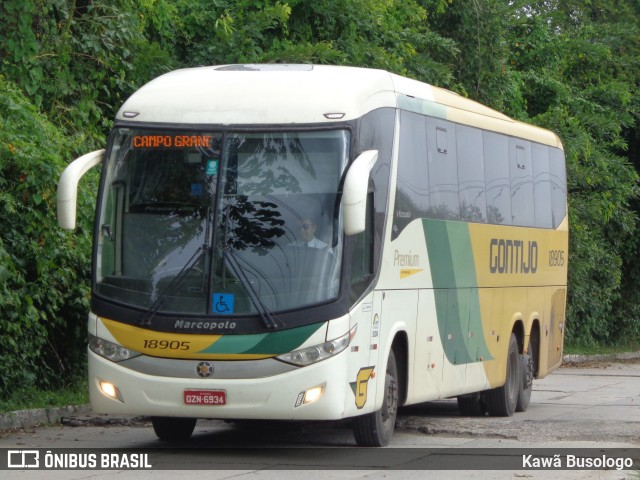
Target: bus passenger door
{"type": "Point", "coordinates": [398, 312]}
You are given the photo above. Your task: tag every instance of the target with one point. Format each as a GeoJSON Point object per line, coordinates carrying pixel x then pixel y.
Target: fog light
{"type": "Point", "coordinates": [310, 395]}
{"type": "Point", "coordinates": [313, 394]}
{"type": "Point", "coordinates": [110, 390]}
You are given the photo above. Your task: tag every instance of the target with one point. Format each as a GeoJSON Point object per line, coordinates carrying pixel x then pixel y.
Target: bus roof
{"type": "Point", "coordinates": [282, 94]}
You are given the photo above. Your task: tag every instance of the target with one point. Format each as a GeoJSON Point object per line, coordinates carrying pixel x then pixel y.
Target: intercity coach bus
{"type": "Point", "coordinates": [300, 242]}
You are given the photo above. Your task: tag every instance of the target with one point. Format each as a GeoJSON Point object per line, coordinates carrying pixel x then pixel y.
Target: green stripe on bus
{"type": "Point", "coordinates": [456, 291]}
{"type": "Point", "coordinates": [234, 343]}
{"type": "Point", "coordinates": [286, 340]}
{"type": "Point", "coordinates": [274, 343]}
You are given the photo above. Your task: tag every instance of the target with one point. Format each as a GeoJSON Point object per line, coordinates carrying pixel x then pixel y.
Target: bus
{"type": "Point", "coordinates": [437, 270]}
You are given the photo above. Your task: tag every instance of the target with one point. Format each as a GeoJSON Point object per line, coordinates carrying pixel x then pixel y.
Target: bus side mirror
{"type": "Point", "coordinates": [354, 192]}
{"type": "Point", "coordinates": [68, 187]}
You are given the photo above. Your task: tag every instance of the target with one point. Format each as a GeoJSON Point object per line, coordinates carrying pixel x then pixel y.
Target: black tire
{"type": "Point", "coordinates": [173, 428]}
{"type": "Point", "coordinates": [471, 405]}
{"type": "Point", "coordinates": [526, 384]}
{"type": "Point", "coordinates": [501, 401]}
{"type": "Point", "coordinates": [376, 429]}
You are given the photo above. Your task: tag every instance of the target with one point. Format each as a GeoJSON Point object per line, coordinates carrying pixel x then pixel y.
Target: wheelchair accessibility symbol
{"type": "Point", "coordinates": [223, 303]}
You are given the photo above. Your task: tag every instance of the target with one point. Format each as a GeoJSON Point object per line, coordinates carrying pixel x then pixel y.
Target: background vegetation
{"type": "Point", "coordinates": [67, 65]}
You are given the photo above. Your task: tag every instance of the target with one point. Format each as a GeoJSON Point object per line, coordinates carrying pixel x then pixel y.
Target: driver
{"type": "Point", "coordinates": [307, 229]}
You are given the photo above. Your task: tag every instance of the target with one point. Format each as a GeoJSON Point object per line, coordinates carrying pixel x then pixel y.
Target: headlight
{"type": "Point", "coordinates": [109, 350]}
{"type": "Point", "coordinates": [316, 353]}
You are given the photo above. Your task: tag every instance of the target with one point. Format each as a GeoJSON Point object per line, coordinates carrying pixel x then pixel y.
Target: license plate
{"type": "Point", "coordinates": [205, 397]}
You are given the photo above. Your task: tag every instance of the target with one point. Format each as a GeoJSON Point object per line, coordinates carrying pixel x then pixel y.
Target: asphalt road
{"type": "Point", "coordinates": [589, 406]}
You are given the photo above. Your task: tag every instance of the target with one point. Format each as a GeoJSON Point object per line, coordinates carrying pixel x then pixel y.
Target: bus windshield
{"type": "Point", "coordinates": [208, 223]}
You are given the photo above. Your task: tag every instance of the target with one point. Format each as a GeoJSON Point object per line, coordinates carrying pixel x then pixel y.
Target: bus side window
{"type": "Point", "coordinates": [362, 268]}
{"type": "Point", "coordinates": [111, 231]}
{"type": "Point", "coordinates": [412, 185]}
{"type": "Point", "coordinates": [541, 185]}
{"type": "Point", "coordinates": [522, 214]}
{"type": "Point", "coordinates": [558, 186]}
{"type": "Point", "coordinates": [496, 168]}
{"type": "Point", "coordinates": [473, 203]}
{"type": "Point", "coordinates": [444, 202]}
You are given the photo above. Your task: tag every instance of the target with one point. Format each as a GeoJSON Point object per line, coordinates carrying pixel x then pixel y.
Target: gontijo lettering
{"type": "Point", "coordinates": [513, 256]}
{"type": "Point", "coordinates": [171, 141]}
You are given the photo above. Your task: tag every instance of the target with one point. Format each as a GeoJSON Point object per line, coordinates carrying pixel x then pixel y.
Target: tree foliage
{"type": "Point", "coordinates": [570, 66]}
{"type": "Point", "coordinates": [43, 289]}
{"type": "Point", "coordinates": [78, 60]}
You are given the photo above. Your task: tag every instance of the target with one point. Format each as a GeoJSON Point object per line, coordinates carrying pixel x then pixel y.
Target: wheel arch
{"type": "Point", "coordinates": [519, 331]}
{"type": "Point", "coordinates": [534, 338]}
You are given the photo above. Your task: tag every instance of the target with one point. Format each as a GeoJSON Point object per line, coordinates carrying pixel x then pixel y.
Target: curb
{"type": "Point", "coordinates": [613, 357]}
{"type": "Point", "coordinates": [40, 416]}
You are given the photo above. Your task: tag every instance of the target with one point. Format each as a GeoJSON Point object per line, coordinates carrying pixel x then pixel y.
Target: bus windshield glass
{"type": "Point", "coordinates": [207, 223]}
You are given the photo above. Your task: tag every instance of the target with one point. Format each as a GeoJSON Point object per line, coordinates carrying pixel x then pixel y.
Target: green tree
{"type": "Point", "coordinates": [79, 60]}
{"type": "Point", "coordinates": [392, 35]}
{"type": "Point", "coordinates": [76, 61]}
{"type": "Point", "coordinates": [567, 66]}
{"type": "Point", "coordinates": [44, 296]}
{"type": "Point", "coordinates": [574, 58]}
{"type": "Point", "coordinates": [481, 33]}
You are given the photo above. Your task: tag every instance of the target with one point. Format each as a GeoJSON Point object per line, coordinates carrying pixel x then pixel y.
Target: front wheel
{"type": "Point", "coordinates": [375, 429]}
{"type": "Point", "coordinates": [173, 428]}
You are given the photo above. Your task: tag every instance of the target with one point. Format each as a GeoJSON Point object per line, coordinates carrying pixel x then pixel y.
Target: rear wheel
{"type": "Point", "coordinates": [501, 401]}
{"type": "Point", "coordinates": [173, 428]}
{"type": "Point", "coordinates": [526, 384]}
{"type": "Point", "coordinates": [375, 429]}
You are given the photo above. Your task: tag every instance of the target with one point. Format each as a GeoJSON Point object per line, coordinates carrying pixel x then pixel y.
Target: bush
{"type": "Point", "coordinates": [44, 272]}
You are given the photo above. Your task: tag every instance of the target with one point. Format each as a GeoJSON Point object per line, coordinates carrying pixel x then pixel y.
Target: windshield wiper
{"type": "Point", "coordinates": [150, 314]}
{"type": "Point", "coordinates": [230, 257]}
{"type": "Point", "coordinates": [269, 320]}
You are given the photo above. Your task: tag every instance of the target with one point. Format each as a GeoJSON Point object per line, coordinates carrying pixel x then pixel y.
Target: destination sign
{"type": "Point", "coordinates": [171, 141]}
